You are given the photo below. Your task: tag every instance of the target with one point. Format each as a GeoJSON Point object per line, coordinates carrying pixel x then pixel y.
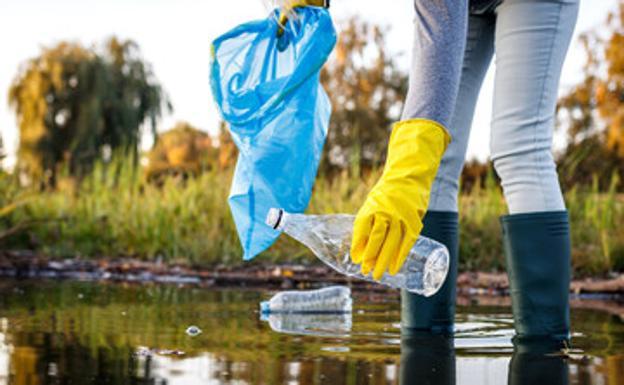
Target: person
{"type": "Point", "coordinates": [454, 42]}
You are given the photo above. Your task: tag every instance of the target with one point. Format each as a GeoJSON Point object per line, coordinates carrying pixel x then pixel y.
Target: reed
{"type": "Point", "coordinates": [114, 212]}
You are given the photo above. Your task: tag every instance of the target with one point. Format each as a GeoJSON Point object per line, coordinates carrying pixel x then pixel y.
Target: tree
{"type": "Point", "coordinates": [184, 150]}
{"type": "Point", "coordinates": [228, 152]}
{"type": "Point", "coordinates": [74, 105]}
{"type": "Point", "coordinates": [2, 153]}
{"type": "Point", "coordinates": [366, 91]}
{"type": "Point", "coordinates": [593, 111]}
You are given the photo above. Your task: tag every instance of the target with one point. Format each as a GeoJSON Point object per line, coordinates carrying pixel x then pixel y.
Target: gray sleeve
{"type": "Point", "coordinates": [440, 29]}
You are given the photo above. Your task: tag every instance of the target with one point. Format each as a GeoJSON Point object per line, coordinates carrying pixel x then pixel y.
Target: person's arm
{"type": "Point", "coordinates": [440, 28]}
{"type": "Point", "coordinates": [390, 220]}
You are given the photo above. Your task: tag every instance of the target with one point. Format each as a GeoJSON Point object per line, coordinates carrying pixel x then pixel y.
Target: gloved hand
{"type": "Point", "coordinates": [388, 224]}
{"type": "Point", "coordinates": [287, 6]}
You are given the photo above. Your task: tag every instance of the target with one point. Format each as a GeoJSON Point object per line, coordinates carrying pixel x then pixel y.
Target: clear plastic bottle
{"type": "Point", "coordinates": [334, 299]}
{"type": "Point", "coordinates": [329, 238]}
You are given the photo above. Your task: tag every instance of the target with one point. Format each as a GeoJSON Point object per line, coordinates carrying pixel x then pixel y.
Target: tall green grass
{"type": "Point", "coordinates": [115, 212]}
{"type": "Point", "coordinates": [597, 222]}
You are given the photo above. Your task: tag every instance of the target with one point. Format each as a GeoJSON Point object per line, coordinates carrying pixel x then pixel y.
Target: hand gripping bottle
{"type": "Point", "coordinates": [329, 238]}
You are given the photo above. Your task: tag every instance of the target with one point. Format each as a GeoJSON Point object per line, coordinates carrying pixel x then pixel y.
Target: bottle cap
{"type": "Point", "coordinates": [274, 217]}
{"type": "Point", "coordinates": [264, 307]}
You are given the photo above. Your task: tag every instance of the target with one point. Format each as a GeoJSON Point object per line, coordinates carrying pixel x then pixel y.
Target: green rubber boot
{"type": "Point", "coordinates": [436, 313]}
{"type": "Point", "coordinates": [537, 253]}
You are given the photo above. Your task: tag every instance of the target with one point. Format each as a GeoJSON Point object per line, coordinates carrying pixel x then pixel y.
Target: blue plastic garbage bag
{"type": "Point", "coordinates": [268, 89]}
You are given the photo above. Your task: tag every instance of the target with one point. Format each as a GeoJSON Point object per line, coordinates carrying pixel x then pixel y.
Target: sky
{"type": "Point", "coordinates": [175, 35]}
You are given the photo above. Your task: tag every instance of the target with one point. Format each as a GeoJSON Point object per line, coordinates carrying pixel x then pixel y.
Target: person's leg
{"type": "Point", "coordinates": [437, 312]}
{"type": "Point", "coordinates": [532, 38]}
{"type": "Point", "coordinates": [531, 42]}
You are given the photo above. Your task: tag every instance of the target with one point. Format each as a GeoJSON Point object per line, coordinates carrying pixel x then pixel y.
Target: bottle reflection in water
{"type": "Point", "coordinates": [321, 325]}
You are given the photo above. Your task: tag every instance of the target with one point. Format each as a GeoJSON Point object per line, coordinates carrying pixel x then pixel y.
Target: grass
{"type": "Point", "coordinates": [109, 215]}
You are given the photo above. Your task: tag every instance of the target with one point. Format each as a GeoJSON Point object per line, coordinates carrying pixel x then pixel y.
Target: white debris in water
{"type": "Point", "coordinates": [52, 369]}
{"type": "Point", "coordinates": [193, 331]}
{"type": "Point", "coordinates": [336, 349]}
{"type": "Point", "coordinates": [144, 351]}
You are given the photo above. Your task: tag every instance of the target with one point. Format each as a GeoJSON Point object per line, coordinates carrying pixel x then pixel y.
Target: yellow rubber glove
{"type": "Point", "coordinates": [388, 224]}
{"type": "Point", "coordinates": [288, 5]}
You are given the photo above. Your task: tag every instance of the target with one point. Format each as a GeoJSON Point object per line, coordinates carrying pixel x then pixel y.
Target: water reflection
{"type": "Point", "coordinates": [430, 359]}
{"type": "Point", "coordinates": [320, 325]}
{"type": "Point", "coordinates": [427, 359]}
{"type": "Point", "coordinates": [76, 333]}
{"type": "Point", "coordinates": [538, 363]}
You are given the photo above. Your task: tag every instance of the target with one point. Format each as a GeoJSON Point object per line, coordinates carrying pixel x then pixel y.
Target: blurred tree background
{"type": "Point", "coordinates": [366, 89]}
{"type": "Point", "coordinates": [2, 152]}
{"type": "Point", "coordinates": [75, 105]}
{"type": "Point", "coordinates": [183, 151]}
{"type": "Point", "coordinates": [592, 113]}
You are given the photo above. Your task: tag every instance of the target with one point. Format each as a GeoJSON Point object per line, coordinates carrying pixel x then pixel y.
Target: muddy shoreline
{"type": "Point", "coordinates": [26, 264]}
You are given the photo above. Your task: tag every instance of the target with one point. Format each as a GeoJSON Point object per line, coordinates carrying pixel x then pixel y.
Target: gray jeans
{"type": "Point", "coordinates": [530, 39]}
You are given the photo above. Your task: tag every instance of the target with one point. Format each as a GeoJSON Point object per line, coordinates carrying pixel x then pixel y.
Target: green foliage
{"type": "Point", "coordinates": [590, 163]}
{"type": "Point", "coordinates": [2, 151]}
{"type": "Point", "coordinates": [597, 228]}
{"type": "Point", "coordinates": [75, 105]}
{"type": "Point", "coordinates": [480, 243]}
{"type": "Point", "coordinates": [184, 150]}
{"type": "Point", "coordinates": [114, 212]}
{"type": "Point", "coordinates": [12, 197]}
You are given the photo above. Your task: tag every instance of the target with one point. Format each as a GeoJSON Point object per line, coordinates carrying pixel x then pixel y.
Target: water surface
{"type": "Point", "coordinates": [89, 333]}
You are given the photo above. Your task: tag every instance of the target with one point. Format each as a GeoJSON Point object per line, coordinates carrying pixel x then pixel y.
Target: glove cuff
{"type": "Point", "coordinates": [426, 123]}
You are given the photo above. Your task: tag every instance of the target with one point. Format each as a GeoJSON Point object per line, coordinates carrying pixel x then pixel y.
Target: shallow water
{"type": "Point", "coordinates": [87, 333]}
